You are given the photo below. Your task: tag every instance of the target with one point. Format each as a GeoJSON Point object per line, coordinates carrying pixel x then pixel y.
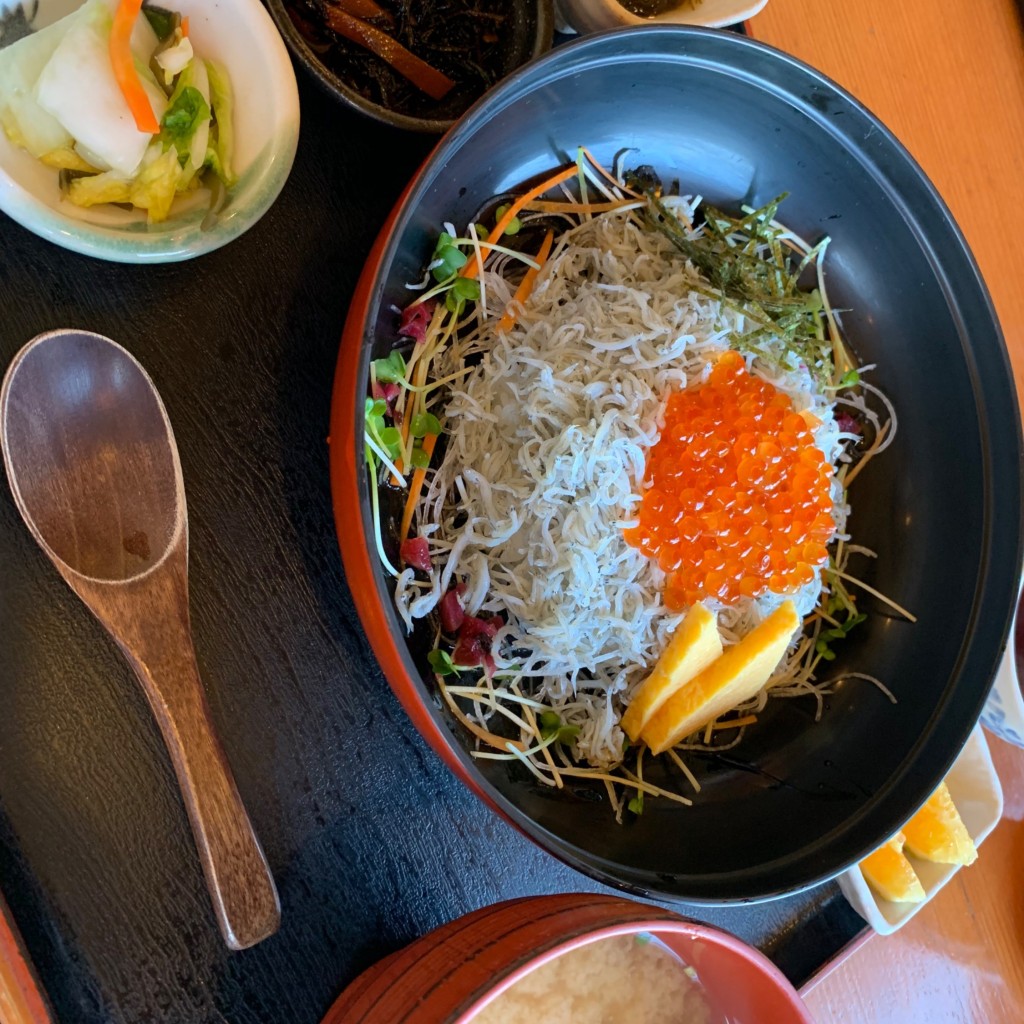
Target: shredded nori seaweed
{"type": "Point", "coordinates": [760, 277]}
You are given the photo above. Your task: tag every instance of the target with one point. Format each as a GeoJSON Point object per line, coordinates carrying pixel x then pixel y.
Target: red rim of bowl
{"type": "Point", "coordinates": [356, 557]}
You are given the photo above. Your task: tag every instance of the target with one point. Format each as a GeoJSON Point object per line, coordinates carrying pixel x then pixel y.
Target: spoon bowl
{"type": "Point", "coordinates": [92, 459]}
{"type": "Point", "coordinates": [92, 463]}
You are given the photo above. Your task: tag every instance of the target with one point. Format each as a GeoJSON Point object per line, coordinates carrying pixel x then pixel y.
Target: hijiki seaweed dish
{"type": "Point", "coordinates": [419, 59]}
{"type": "Point", "coordinates": [622, 425]}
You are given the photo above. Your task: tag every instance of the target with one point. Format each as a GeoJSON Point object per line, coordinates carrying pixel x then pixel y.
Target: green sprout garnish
{"type": "Point", "coordinates": [423, 424]}
{"type": "Point", "coordinates": [826, 637]}
{"type": "Point", "coordinates": [452, 258]}
{"type": "Point", "coordinates": [382, 445]}
{"type": "Point", "coordinates": [463, 290]}
{"type": "Point", "coordinates": [551, 725]}
{"type": "Point", "coordinates": [513, 225]}
{"type": "Point", "coordinates": [636, 805]}
{"type": "Point", "coordinates": [441, 662]}
{"type": "Point", "coordinates": [839, 606]}
{"type": "Point", "coordinates": [389, 438]}
{"type": "Point", "coordinates": [390, 370]}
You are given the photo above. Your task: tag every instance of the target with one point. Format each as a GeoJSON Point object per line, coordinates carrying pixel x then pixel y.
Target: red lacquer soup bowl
{"type": "Point", "coordinates": [448, 976]}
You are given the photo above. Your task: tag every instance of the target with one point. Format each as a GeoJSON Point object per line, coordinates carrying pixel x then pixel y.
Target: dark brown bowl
{"type": "Point", "coordinates": [527, 34]}
{"type": "Point", "coordinates": [799, 800]}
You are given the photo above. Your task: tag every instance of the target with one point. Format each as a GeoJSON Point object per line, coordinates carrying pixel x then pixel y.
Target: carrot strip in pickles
{"type": "Point", "coordinates": [123, 62]}
{"type": "Point", "coordinates": [365, 9]}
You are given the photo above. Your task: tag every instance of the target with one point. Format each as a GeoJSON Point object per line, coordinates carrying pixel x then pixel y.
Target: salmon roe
{"type": "Point", "coordinates": [739, 501]}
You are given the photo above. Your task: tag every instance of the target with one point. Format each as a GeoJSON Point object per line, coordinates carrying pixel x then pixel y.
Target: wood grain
{"type": "Point", "coordinates": [148, 617]}
{"type": "Point", "coordinates": [948, 79]}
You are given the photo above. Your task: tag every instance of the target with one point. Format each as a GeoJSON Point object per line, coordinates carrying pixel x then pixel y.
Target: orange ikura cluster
{"type": "Point", "coordinates": [739, 500]}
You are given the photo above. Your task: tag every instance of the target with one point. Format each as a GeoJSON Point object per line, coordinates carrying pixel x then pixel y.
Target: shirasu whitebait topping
{"type": "Point", "coordinates": [545, 375]}
{"type": "Point", "coordinates": [548, 436]}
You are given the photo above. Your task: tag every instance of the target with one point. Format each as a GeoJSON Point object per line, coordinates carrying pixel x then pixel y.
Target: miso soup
{"type": "Point", "coordinates": [628, 979]}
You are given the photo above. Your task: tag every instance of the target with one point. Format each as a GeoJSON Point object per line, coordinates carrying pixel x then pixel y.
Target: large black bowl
{"type": "Point", "coordinates": [799, 800]}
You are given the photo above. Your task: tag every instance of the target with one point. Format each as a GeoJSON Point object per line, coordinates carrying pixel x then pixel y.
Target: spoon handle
{"type": "Point", "coordinates": [241, 886]}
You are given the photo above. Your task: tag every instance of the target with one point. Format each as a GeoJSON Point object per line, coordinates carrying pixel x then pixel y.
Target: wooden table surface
{"type": "Point", "coordinates": [947, 76]}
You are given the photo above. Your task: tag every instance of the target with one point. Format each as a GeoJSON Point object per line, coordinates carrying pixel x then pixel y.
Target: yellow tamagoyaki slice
{"type": "Point", "coordinates": [937, 832]}
{"type": "Point", "coordinates": [730, 679]}
{"type": "Point", "coordinates": [891, 875]}
{"type": "Point", "coordinates": [694, 645]}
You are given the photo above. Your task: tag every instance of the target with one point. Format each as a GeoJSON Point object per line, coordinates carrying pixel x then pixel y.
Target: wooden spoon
{"type": "Point", "coordinates": [92, 462]}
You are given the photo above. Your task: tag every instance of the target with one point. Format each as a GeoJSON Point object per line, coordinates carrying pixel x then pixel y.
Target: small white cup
{"type": "Point", "coordinates": [1004, 709]}
{"type": "Point", "coordinates": [597, 15]}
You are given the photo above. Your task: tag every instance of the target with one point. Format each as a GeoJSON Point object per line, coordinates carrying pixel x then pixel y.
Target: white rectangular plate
{"type": "Point", "coordinates": [975, 789]}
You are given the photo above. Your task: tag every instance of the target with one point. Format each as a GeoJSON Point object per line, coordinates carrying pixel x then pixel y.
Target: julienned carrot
{"type": "Point", "coordinates": [419, 375]}
{"type": "Point", "coordinates": [414, 489]}
{"type": "Point", "coordinates": [184, 27]}
{"type": "Point", "coordinates": [521, 293]}
{"type": "Point", "coordinates": [431, 81]}
{"type": "Point", "coordinates": [365, 9]}
{"type": "Point", "coordinates": [564, 206]}
{"type": "Point", "coordinates": [123, 63]}
{"type": "Point", "coordinates": [526, 285]}
{"type": "Point", "coordinates": [469, 269]}
{"type": "Point", "coordinates": [603, 171]}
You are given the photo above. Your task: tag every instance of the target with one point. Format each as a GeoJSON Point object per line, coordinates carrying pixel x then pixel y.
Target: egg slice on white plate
{"type": "Point", "coordinates": [975, 789]}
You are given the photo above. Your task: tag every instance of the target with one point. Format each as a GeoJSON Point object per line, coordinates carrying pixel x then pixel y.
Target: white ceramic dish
{"type": "Point", "coordinates": [598, 15]}
{"type": "Point", "coordinates": [975, 789]}
{"type": "Point", "coordinates": [240, 35]}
